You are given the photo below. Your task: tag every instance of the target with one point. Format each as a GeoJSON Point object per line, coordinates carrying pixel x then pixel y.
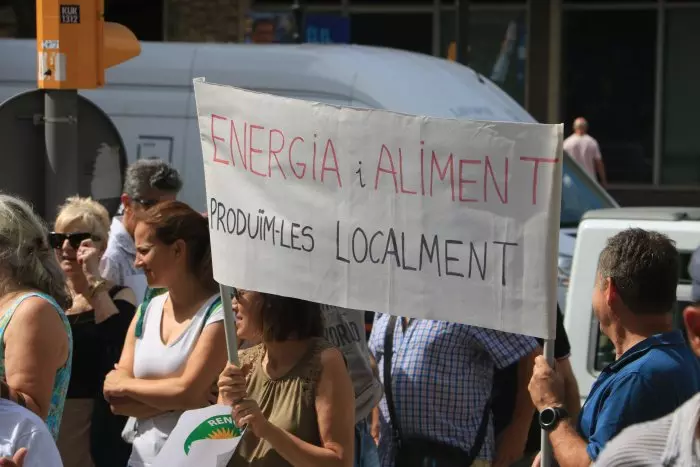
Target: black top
{"type": "Point", "coordinates": [97, 347]}
{"type": "Point", "coordinates": [505, 383]}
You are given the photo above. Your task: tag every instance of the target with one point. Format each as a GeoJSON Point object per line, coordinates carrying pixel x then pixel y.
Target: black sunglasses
{"type": "Point", "coordinates": [146, 203]}
{"type": "Point", "coordinates": [56, 240]}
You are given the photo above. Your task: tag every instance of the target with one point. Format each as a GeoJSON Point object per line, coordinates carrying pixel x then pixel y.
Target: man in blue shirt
{"type": "Point", "coordinates": [654, 372]}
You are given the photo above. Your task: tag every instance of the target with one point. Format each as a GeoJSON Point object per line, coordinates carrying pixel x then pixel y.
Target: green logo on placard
{"type": "Point", "coordinates": [217, 427]}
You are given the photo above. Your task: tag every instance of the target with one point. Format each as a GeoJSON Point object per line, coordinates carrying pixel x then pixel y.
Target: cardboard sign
{"type": "Point", "coordinates": [205, 436]}
{"type": "Point", "coordinates": [429, 218]}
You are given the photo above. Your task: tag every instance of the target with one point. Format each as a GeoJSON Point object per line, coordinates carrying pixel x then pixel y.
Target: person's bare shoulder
{"type": "Point", "coordinates": [33, 320]}
{"type": "Point", "coordinates": [332, 356]}
{"type": "Point", "coordinates": [36, 313]}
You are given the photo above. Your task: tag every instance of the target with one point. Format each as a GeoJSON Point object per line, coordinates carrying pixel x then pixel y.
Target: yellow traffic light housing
{"type": "Point", "coordinates": [75, 45]}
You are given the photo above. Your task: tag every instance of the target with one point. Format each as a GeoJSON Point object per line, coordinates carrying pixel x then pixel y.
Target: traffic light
{"type": "Point", "coordinates": [75, 45]}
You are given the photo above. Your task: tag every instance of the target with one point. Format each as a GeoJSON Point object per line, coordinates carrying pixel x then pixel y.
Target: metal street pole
{"type": "Point", "coordinates": [462, 31]}
{"type": "Point", "coordinates": [61, 137]}
{"type": "Point", "coordinates": [299, 11]}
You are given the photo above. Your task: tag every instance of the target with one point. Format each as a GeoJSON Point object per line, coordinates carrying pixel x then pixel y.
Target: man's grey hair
{"type": "Point", "coordinates": [644, 267]}
{"type": "Point", "coordinates": [146, 175]}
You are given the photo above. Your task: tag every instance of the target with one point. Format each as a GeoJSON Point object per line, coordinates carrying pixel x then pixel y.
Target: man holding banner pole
{"type": "Point", "coordinates": [654, 372]}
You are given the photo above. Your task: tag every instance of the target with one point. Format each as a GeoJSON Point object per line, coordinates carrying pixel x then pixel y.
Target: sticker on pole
{"type": "Point", "coordinates": [70, 14]}
{"type": "Point", "coordinates": [431, 218]}
{"type": "Point", "coordinates": [205, 436]}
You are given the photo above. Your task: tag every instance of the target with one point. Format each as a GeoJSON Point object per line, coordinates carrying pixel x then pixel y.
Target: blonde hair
{"type": "Point", "coordinates": [25, 254]}
{"type": "Point", "coordinates": [88, 212]}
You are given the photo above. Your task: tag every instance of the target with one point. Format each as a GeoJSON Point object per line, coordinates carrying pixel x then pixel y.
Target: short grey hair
{"type": "Point", "coordinates": [151, 174]}
{"type": "Point", "coordinates": [25, 256]}
{"type": "Point", "coordinates": [644, 266]}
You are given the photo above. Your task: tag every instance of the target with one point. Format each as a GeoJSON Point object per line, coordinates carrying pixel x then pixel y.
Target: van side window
{"type": "Point", "coordinates": [605, 351]}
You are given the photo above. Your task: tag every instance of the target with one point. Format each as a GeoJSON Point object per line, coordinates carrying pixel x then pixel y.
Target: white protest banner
{"type": "Point", "coordinates": [366, 209]}
{"type": "Point", "coordinates": [206, 437]}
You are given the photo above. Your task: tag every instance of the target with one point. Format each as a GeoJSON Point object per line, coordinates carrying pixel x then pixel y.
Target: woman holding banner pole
{"type": "Point", "coordinates": [175, 347]}
{"type": "Point", "coordinates": [292, 391]}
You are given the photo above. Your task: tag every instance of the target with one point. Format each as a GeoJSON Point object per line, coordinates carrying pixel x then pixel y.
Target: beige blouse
{"type": "Point", "coordinates": [288, 402]}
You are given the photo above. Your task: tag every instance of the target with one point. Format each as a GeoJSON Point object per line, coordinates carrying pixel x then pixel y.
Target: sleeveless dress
{"type": "Point", "coordinates": [288, 402]}
{"type": "Point", "coordinates": [60, 385]}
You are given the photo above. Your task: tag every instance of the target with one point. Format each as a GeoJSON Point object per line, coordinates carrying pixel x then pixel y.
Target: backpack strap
{"type": "Point", "coordinates": [143, 307]}
{"type": "Point", "coordinates": [214, 306]}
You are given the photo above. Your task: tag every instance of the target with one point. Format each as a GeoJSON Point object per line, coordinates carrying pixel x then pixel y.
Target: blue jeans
{"type": "Point", "coordinates": [366, 454]}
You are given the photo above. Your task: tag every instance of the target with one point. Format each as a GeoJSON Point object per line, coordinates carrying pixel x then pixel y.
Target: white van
{"type": "Point", "coordinates": [591, 349]}
{"type": "Point", "coordinates": [150, 100]}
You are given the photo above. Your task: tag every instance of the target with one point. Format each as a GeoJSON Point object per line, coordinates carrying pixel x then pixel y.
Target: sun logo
{"type": "Point", "coordinates": [216, 427]}
{"type": "Point", "coordinates": [221, 433]}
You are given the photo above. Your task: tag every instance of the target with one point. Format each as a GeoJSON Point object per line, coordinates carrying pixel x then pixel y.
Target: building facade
{"type": "Point", "coordinates": [629, 66]}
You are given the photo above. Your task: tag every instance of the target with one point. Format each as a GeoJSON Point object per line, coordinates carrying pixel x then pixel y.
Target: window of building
{"type": "Point", "coordinates": [287, 5]}
{"type": "Point", "coordinates": [681, 99]}
{"type": "Point", "coordinates": [405, 31]}
{"type": "Point", "coordinates": [497, 46]}
{"type": "Point", "coordinates": [605, 3]}
{"type": "Point", "coordinates": [608, 64]}
{"type": "Point", "coordinates": [144, 19]}
{"type": "Point", "coordinates": [18, 19]}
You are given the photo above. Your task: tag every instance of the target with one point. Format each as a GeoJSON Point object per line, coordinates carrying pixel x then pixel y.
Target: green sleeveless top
{"type": "Point", "coordinates": [60, 385]}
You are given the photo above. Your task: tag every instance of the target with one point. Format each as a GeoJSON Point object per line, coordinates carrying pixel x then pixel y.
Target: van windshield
{"type": "Point", "coordinates": [579, 194]}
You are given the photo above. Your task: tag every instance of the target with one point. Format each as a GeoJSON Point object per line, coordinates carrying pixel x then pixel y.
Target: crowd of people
{"type": "Point", "coordinates": [110, 329]}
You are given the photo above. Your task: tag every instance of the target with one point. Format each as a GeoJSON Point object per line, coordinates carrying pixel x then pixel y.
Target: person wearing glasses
{"type": "Point", "coordinates": [36, 344]}
{"type": "Point", "coordinates": [147, 183]}
{"type": "Point", "coordinates": [99, 318]}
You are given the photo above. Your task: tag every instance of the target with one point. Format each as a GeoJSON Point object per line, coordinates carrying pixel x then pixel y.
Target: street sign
{"type": "Point", "coordinates": [102, 159]}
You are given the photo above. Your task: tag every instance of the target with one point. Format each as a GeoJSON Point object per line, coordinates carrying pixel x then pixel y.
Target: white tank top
{"type": "Point", "coordinates": [153, 359]}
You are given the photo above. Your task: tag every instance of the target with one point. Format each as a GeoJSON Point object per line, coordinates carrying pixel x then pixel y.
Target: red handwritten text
{"type": "Point", "coordinates": [260, 151]}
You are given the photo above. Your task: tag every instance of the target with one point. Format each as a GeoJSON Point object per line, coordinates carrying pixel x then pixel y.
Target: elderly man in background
{"type": "Point", "coordinates": [654, 372]}
{"type": "Point", "coordinates": [584, 149]}
{"type": "Point", "coordinates": [148, 182]}
{"type": "Point", "coordinates": [673, 440]}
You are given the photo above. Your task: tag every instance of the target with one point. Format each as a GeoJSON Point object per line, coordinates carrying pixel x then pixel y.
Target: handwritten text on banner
{"type": "Point", "coordinates": [423, 217]}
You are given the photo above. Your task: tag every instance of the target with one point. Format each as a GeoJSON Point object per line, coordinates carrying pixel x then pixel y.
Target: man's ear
{"type": "Point", "coordinates": [610, 291]}
{"type": "Point", "coordinates": [691, 317]}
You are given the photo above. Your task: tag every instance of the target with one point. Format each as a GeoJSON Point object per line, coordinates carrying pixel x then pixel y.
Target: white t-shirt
{"type": "Point", "coordinates": [20, 428]}
{"type": "Point", "coordinates": [153, 359]}
{"type": "Point", "coordinates": [584, 149]}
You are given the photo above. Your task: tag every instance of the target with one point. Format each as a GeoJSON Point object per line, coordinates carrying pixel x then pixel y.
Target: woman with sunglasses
{"type": "Point", "coordinates": [175, 347]}
{"type": "Point", "coordinates": [99, 318]}
{"type": "Point", "coordinates": [35, 337]}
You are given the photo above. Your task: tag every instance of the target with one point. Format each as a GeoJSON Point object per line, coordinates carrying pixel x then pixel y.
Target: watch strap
{"type": "Point", "coordinates": [559, 414]}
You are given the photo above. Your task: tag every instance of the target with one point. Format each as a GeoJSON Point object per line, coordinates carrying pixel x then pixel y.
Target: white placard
{"type": "Point", "coordinates": [206, 437]}
{"type": "Point", "coordinates": [366, 209]}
